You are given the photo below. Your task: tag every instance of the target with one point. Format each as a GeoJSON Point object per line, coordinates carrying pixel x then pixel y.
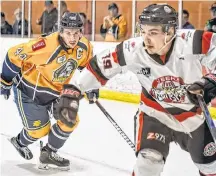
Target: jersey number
{"type": "Point", "coordinates": [107, 62]}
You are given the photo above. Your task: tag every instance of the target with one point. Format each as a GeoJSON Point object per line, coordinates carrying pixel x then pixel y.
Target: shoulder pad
{"type": "Point", "coordinates": [84, 43]}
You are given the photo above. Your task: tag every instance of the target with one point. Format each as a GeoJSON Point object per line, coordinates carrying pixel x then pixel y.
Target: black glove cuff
{"type": "Point", "coordinates": [211, 78]}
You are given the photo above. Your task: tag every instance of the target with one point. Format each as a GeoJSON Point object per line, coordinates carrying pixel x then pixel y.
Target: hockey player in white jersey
{"type": "Point", "coordinates": [168, 64]}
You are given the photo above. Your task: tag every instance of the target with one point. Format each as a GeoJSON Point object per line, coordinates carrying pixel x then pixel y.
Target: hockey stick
{"type": "Point", "coordinates": [207, 116]}
{"type": "Point", "coordinates": [117, 127]}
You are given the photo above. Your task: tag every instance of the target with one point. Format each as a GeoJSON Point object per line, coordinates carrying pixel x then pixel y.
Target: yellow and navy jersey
{"type": "Point", "coordinates": [42, 66]}
{"type": "Point", "coordinates": [117, 32]}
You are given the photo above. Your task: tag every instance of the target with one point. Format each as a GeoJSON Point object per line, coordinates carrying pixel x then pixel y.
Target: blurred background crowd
{"type": "Point", "coordinates": [103, 20]}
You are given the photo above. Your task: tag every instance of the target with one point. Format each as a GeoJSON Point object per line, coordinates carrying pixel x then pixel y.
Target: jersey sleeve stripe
{"type": "Point", "coordinates": [206, 41]}
{"type": "Point", "coordinates": [95, 70]}
{"type": "Point", "coordinates": [120, 54]}
{"type": "Point", "coordinates": [9, 69]}
{"type": "Point", "coordinates": [14, 68]}
{"type": "Point", "coordinates": [197, 42]}
{"type": "Point", "coordinates": [201, 42]}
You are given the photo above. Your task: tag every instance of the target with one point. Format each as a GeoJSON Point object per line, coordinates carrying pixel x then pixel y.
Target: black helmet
{"type": "Point", "coordinates": [71, 20]}
{"type": "Point", "coordinates": [159, 14]}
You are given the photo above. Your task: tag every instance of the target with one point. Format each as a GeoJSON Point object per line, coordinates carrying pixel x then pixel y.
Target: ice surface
{"type": "Point", "coordinates": [95, 148]}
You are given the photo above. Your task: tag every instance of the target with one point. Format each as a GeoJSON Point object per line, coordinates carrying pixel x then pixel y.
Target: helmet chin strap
{"type": "Point", "coordinates": [166, 43]}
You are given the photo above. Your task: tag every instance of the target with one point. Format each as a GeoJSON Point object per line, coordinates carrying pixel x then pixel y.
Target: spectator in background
{"type": "Point", "coordinates": [114, 27]}
{"type": "Point", "coordinates": [211, 24]}
{"type": "Point", "coordinates": [6, 28]}
{"type": "Point", "coordinates": [63, 11]}
{"type": "Point", "coordinates": [87, 26]}
{"type": "Point", "coordinates": [17, 26]}
{"type": "Point", "coordinates": [63, 8]}
{"type": "Point", "coordinates": [48, 18]}
{"type": "Point", "coordinates": [185, 20]}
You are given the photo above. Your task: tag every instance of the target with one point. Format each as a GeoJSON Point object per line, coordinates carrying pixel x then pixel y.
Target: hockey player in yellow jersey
{"type": "Point", "coordinates": [37, 71]}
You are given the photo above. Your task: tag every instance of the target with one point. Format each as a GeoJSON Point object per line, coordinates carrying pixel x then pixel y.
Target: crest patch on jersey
{"type": "Point", "coordinates": [39, 45]}
{"type": "Point", "coordinates": [61, 59]}
{"type": "Point", "coordinates": [169, 89]}
{"type": "Point", "coordinates": [128, 45]}
{"type": "Point", "coordinates": [133, 44]}
{"type": "Point", "coordinates": [187, 35]}
{"type": "Point", "coordinates": [183, 35]}
{"type": "Point", "coordinates": [145, 71]}
{"type": "Point", "coordinates": [64, 71]}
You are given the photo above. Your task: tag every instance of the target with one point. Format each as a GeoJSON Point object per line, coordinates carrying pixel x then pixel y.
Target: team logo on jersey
{"type": "Point", "coordinates": [65, 71]}
{"type": "Point", "coordinates": [145, 71]}
{"type": "Point", "coordinates": [169, 89]}
{"type": "Point", "coordinates": [61, 59]}
{"type": "Point", "coordinates": [129, 45]}
{"type": "Point", "coordinates": [79, 53]}
{"type": "Point", "coordinates": [210, 149]}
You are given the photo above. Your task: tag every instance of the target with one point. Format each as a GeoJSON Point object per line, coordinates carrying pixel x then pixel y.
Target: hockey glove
{"type": "Point", "coordinates": [5, 88]}
{"type": "Point", "coordinates": [206, 86]}
{"type": "Point", "coordinates": [68, 105]}
{"type": "Point", "coordinates": [92, 94]}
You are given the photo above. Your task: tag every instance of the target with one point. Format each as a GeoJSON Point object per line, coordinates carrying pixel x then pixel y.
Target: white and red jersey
{"type": "Point", "coordinates": [164, 82]}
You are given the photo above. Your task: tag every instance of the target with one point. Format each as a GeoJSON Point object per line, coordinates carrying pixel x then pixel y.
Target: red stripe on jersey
{"type": "Point", "coordinates": [101, 80]}
{"type": "Point", "coordinates": [206, 41]}
{"type": "Point", "coordinates": [139, 139]}
{"type": "Point", "coordinates": [185, 115]}
{"type": "Point", "coordinates": [152, 104]}
{"type": "Point", "coordinates": [155, 105]}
